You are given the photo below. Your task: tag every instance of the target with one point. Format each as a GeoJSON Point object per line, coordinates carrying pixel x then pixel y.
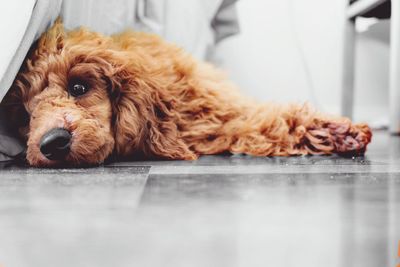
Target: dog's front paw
{"type": "Point", "coordinates": [350, 139]}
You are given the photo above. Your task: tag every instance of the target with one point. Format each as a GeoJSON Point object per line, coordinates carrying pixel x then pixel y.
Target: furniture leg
{"type": "Point", "coordinates": [394, 90]}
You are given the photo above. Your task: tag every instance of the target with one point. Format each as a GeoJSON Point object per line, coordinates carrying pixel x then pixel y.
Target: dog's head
{"type": "Point", "coordinates": [85, 98]}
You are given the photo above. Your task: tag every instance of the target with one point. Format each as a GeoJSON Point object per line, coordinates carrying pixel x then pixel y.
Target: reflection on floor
{"type": "Point", "coordinates": [218, 211]}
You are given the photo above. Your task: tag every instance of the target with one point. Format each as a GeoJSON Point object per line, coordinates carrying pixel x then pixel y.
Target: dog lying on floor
{"type": "Point", "coordinates": [81, 97]}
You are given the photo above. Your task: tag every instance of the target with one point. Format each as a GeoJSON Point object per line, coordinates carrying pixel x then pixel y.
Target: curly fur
{"type": "Point", "coordinates": [150, 99]}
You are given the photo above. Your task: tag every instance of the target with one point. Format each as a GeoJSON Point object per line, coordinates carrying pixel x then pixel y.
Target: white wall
{"type": "Point", "coordinates": [372, 75]}
{"type": "Point", "coordinates": [266, 59]}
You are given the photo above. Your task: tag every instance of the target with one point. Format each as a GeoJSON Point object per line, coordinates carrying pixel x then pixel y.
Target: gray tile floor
{"type": "Point", "coordinates": [218, 211]}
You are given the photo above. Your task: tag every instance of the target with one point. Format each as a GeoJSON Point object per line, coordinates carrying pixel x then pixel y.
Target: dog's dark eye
{"type": "Point", "coordinates": [78, 89]}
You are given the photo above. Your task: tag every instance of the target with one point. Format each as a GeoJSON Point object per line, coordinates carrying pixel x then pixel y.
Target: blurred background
{"type": "Point", "coordinates": [291, 50]}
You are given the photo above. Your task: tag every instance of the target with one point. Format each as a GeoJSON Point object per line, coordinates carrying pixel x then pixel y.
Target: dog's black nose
{"type": "Point", "coordinates": [55, 144]}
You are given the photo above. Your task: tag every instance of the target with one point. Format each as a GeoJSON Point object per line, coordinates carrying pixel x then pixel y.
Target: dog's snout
{"type": "Point", "coordinates": [55, 144]}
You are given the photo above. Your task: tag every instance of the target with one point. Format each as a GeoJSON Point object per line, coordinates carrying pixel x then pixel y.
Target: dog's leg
{"type": "Point", "coordinates": [273, 130]}
{"type": "Point", "coordinates": [214, 118]}
{"type": "Point", "coordinates": [298, 130]}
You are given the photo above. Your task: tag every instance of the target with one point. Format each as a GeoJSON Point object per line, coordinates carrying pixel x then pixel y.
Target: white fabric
{"type": "Point", "coordinates": [14, 19]}
{"type": "Point", "coordinates": [29, 26]}
{"type": "Point", "coordinates": [187, 23]}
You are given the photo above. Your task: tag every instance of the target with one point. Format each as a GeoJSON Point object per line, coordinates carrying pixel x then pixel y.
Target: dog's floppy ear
{"type": "Point", "coordinates": [143, 119]}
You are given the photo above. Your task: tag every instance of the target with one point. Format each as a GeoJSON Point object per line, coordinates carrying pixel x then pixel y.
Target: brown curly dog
{"type": "Point", "coordinates": [88, 96]}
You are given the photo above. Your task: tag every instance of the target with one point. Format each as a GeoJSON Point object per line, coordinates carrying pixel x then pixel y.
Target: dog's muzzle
{"type": "Point", "coordinates": [55, 144]}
